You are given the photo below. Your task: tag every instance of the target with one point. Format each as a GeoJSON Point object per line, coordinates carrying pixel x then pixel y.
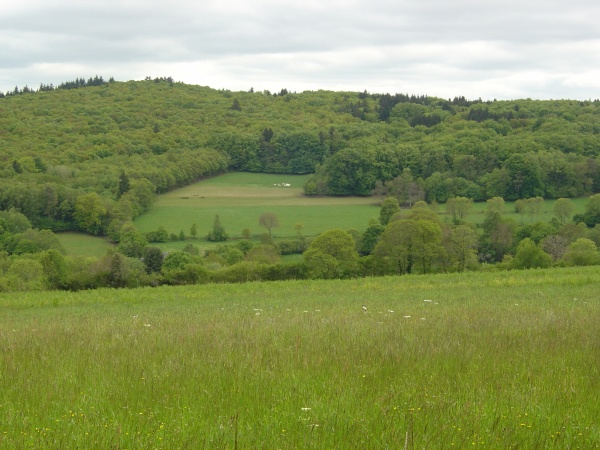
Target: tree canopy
{"type": "Point", "coordinates": [134, 139]}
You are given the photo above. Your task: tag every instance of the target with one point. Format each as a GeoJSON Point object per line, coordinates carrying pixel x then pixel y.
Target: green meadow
{"type": "Point", "coordinates": [546, 214]}
{"type": "Point", "coordinates": [81, 244]}
{"type": "Point", "coordinates": [240, 198]}
{"type": "Point", "coordinates": [487, 360]}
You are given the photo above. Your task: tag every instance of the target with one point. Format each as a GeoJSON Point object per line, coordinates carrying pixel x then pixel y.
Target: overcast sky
{"type": "Point", "coordinates": [503, 49]}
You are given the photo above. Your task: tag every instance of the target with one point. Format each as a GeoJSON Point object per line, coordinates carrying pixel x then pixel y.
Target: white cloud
{"type": "Point", "coordinates": [491, 49]}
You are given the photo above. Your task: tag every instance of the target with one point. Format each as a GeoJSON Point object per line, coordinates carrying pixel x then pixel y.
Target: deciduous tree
{"type": "Point", "coordinates": [332, 254]}
{"type": "Point", "coordinates": [268, 220]}
{"type": "Point", "coordinates": [563, 210]}
{"type": "Point", "coordinates": [582, 252]}
{"type": "Point", "coordinates": [389, 207]}
{"type": "Point", "coordinates": [409, 244]}
{"type": "Point", "coordinates": [459, 208]}
{"type": "Point", "coordinates": [463, 246]}
{"type": "Point", "coordinates": [529, 255]}
{"type": "Point", "coordinates": [90, 213]}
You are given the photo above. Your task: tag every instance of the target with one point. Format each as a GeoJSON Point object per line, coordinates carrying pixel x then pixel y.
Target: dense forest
{"type": "Point", "coordinates": [91, 155]}
{"type": "Point", "coordinates": [115, 144]}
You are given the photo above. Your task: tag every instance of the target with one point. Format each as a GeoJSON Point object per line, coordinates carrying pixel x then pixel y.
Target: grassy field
{"type": "Point", "coordinates": [80, 244]}
{"type": "Point", "coordinates": [240, 198]}
{"type": "Point", "coordinates": [477, 214]}
{"type": "Point", "coordinates": [487, 360]}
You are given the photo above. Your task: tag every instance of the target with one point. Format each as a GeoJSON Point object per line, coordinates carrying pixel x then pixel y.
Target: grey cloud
{"type": "Point", "coordinates": [438, 47]}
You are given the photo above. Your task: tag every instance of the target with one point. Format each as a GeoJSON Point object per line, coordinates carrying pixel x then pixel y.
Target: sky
{"type": "Point", "coordinates": [489, 49]}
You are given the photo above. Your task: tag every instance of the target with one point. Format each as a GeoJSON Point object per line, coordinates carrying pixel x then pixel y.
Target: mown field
{"type": "Point", "coordinates": [487, 360]}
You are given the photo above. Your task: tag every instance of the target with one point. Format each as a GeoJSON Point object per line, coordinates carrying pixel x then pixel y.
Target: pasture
{"type": "Point", "coordinates": [486, 360]}
{"type": "Point", "coordinates": [240, 198]}
{"type": "Point", "coordinates": [81, 244]}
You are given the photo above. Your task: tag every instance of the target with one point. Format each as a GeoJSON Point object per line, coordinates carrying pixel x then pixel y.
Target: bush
{"type": "Point", "coordinates": [296, 246]}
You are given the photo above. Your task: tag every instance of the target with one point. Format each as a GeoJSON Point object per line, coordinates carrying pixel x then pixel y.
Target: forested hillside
{"type": "Point", "coordinates": [91, 156]}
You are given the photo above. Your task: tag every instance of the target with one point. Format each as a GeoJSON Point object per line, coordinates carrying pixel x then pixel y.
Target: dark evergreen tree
{"type": "Point", "coordinates": [218, 233]}
{"type": "Point", "coordinates": [153, 259]}
{"type": "Point", "coordinates": [124, 185]}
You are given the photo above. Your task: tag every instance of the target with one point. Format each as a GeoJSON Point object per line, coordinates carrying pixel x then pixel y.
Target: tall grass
{"type": "Point", "coordinates": [496, 360]}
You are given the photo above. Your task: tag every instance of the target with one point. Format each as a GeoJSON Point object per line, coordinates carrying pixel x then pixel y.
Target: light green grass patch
{"type": "Point", "coordinates": [546, 214]}
{"type": "Point", "coordinates": [240, 198]}
{"type": "Point", "coordinates": [80, 244]}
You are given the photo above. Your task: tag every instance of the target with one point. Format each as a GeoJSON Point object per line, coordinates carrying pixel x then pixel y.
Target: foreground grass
{"type": "Point", "coordinates": [496, 360]}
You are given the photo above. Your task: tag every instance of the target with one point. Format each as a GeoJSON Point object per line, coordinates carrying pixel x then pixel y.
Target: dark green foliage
{"type": "Point", "coordinates": [290, 247]}
{"type": "Point", "coordinates": [117, 271]}
{"type": "Point", "coordinates": [153, 259]}
{"type": "Point", "coordinates": [160, 235]}
{"type": "Point", "coordinates": [525, 177]}
{"type": "Point", "coordinates": [370, 238]}
{"type": "Point", "coordinates": [17, 167]}
{"type": "Point", "coordinates": [529, 256]}
{"type": "Point", "coordinates": [132, 242]}
{"type": "Point", "coordinates": [218, 233]}
{"type": "Point", "coordinates": [176, 260]}
{"type": "Point", "coordinates": [332, 254]}
{"type": "Point", "coordinates": [244, 245]}
{"type": "Point", "coordinates": [591, 216]}
{"type": "Point", "coordinates": [284, 271]}
{"type": "Point", "coordinates": [497, 238]}
{"type": "Point", "coordinates": [389, 207]}
{"type": "Point", "coordinates": [409, 245]}
{"type": "Point", "coordinates": [536, 231]}
{"type": "Point", "coordinates": [350, 172]}
{"type": "Point", "coordinates": [55, 269]}
{"type": "Point", "coordinates": [124, 185]}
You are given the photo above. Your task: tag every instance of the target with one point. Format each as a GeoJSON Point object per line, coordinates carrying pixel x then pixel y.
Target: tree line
{"type": "Point", "coordinates": [402, 241]}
